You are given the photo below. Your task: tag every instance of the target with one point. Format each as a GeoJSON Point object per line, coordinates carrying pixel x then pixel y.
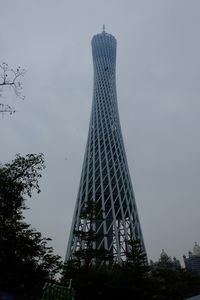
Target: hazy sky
{"type": "Point", "coordinates": [158, 72]}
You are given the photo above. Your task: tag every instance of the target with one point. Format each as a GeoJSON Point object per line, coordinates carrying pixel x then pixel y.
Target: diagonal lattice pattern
{"type": "Point", "coordinates": [105, 177]}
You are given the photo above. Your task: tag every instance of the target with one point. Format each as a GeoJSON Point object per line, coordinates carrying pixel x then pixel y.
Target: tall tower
{"type": "Point", "coordinates": [105, 177]}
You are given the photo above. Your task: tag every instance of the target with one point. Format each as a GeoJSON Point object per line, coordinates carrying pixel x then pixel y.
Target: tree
{"type": "Point", "coordinates": [175, 284]}
{"type": "Point", "coordinates": [11, 78]}
{"type": "Point", "coordinates": [131, 279]}
{"type": "Point", "coordinates": [135, 254]}
{"type": "Point", "coordinates": [88, 269]}
{"type": "Point", "coordinates": [88, 253]}
{"type": "Point", "coordinates": [26, 260]}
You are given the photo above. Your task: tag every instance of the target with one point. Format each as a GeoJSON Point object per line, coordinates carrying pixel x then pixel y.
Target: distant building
{"type": "Point", "coordinates": [192, 262]}
{"type": "Point", "coordinates": [165, 262]}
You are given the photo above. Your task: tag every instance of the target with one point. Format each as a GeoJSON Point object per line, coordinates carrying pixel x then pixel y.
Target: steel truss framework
{"type": "Point", "coordinates": [105, 177]}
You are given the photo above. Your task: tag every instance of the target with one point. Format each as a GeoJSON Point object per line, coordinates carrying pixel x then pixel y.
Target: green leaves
{"type": "Point", "coordinates": [26, 259]}
{"type": "Point", "coordinates": [92, 211]}
{"type": "Point", "coordinates": [87, 254]}
{"type": "Point", "coordinates": [135, 254]}
{"type": "Point", "coordinates": [25, 170]}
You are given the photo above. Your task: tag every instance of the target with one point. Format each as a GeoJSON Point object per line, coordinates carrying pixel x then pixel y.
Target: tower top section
{"type": "Point", "coordinates": [104, 48]}
{"type": "Point", "coordinates": [104, 35]}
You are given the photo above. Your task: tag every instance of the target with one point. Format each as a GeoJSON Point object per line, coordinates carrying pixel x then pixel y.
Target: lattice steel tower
{"type": "Point", "coordinates": [105, 177]}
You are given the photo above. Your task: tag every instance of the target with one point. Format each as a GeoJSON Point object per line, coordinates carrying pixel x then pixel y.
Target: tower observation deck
{"type": "Point", "coordinates": [105, 177]}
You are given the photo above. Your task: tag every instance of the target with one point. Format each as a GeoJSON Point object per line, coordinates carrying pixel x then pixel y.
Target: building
{"type": "Point", "coordinates": [192, 262]}
{"type": "Point", "coordinates": [166, 262]}
{"type": "Point", "coordinates": [105, 178]}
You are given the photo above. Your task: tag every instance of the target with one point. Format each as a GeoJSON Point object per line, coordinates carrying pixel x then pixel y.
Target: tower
{"type": "Point", "coordinates": [105, 177]}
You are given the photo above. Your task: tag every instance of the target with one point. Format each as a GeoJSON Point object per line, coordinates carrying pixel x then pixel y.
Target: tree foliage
{"type": "Point", "coordinates": [88, 253]}
{"type": "Point", "coordinates": [130, 279]}
{"type": "Point", "coordinates": [26, 260]}
{"type": "Point", "coordinates": [135, 255]}
{"type": "Point", "coordinates": [94, 273]}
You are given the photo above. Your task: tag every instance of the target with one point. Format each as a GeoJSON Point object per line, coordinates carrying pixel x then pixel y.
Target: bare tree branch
{"type": "Point", "coordinates": [6, 109]}
{"type": "Point", "coordinates": [11, 78]}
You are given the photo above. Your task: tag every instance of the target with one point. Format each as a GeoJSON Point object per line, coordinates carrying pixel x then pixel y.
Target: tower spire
{"type": "Point", "coordinates": [104, 27]}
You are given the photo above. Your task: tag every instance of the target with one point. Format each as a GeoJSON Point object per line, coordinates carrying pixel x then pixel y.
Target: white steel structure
{"type": "Point", "coordinates": [105, 177]}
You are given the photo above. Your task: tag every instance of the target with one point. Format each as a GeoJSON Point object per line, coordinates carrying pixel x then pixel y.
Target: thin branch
{"type": "Point", "coordinates": [6, 109]}
{"type": "Point", "coordinates": [12, 78]}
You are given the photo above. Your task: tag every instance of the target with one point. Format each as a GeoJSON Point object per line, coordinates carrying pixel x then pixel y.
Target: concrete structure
{"type": "Point", "coordinates": [192, 262]}
{"type": "Point", "coordinates": [105, 177]}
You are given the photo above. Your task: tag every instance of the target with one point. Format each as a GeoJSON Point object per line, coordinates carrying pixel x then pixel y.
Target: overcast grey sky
{"type": "Point", "coordinates": [158, 72]}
